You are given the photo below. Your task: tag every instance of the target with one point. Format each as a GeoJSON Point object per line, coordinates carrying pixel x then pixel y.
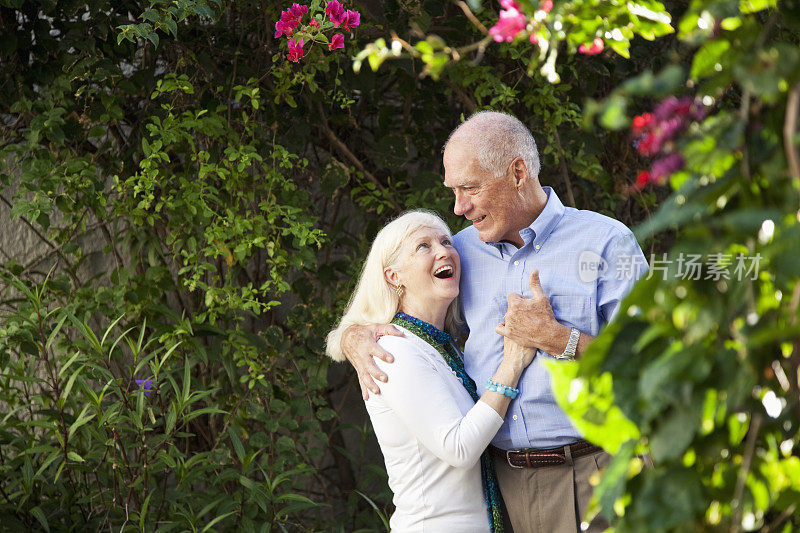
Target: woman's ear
{"type": "Point", "coordinates": [391, 276]}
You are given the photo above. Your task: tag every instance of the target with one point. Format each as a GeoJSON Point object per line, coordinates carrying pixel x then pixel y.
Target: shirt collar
{"type": "Point", "coordinates": [547, 220]}
{"type": "Point", "coordinates": [544, 224]}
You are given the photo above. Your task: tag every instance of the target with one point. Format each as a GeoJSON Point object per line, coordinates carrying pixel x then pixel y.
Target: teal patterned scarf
{"type": "Point", "coordinates": [427, 332]}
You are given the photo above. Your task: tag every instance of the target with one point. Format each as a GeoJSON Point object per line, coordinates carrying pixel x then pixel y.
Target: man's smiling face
{"type": "Point", "coordinates": [492, 204]}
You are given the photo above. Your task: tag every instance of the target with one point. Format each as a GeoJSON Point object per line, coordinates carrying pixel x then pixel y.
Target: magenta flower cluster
{"type": "Point", "coordinates": [291, 22]}
{"type": "Point", "coordinates": [512, 21]}
{"type": "Point", "coordinates": [337, 14]}
{"type": "Point", "coordinates": [655, 135]}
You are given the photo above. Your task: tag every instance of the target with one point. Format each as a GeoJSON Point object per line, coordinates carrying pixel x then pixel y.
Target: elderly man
{"type": "Point", "coordinates": [542, 274]}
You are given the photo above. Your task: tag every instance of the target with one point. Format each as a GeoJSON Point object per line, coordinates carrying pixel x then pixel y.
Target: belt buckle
{"type": "Point", "coordinates": [508, 460]}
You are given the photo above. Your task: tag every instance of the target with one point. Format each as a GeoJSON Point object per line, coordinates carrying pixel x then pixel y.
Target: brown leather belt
{"type": "Point", "coordinates": [534, 457]}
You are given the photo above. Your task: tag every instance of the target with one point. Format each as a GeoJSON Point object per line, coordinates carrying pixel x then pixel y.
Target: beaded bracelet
{"type": "Point", "coordinates": [499, 388]}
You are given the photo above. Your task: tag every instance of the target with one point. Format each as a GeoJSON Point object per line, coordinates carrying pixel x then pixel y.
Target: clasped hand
{"type": "Point", "coordinates": [530, 322]}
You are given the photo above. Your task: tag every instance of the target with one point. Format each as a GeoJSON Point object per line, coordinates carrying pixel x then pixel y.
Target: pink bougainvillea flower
{"type": "Point", "coordinates": [596, 47]}
{"type": "Point", "coordinates": [288, 21]}
{"type": "Point", "coordinates": [335, 12]}
{"type": "Point", "coordinates": [295, 50]}
{"type": "Point", "coordinates": [337, 41]}
{"type": "Point", "coordinates": [279, 29]}
{"type": "Point", "coordinates": [351, 19]}
{"type": "Point", "coordinates": [282, 27]}
{"type": "Point", "coordinates": [510, 22]}
{"type": "Point", "coordinates": [314, 23]}
{"type": "Point", "coordinates": [297, 11]}
{"type": "Point", "coordinates": [546, 5]}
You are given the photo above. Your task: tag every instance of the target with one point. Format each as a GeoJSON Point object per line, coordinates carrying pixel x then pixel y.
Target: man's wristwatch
{"type": "Point", "coordinates": [572, 345]}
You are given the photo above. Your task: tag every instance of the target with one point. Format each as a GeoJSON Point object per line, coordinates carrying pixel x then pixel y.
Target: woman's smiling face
{"type": "Point", "coordinates": [429, 270]}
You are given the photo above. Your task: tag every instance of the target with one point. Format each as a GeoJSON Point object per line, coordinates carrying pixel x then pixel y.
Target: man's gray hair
{"type": "Point", "coordinates": [497, 139]}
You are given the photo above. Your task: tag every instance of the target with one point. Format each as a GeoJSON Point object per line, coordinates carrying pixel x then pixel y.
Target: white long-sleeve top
{"type": "Point", "coordinates": [432, 435]}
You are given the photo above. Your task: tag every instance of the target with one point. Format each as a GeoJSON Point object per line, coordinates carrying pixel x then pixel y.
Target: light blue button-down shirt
{"type": "Point", "coordinates": [587, 263]}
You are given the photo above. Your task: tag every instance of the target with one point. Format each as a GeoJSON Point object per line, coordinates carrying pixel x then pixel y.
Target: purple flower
{"type": "Point", "coordinates": [666, 166]}
{"type": "Point", "coordinates": [672, 107]}
{"type": "Point", "coordinates": [671, 127]}
{"type": "Point", "coordinates": [146, 385]}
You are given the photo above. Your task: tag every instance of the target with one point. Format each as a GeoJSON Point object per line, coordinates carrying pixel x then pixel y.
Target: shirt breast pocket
{"type": "Point", "coordinates": [574, 310]}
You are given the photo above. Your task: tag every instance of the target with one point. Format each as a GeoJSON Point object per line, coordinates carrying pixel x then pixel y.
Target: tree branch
{"type": "Point", "coordinates": [468, 12]}
{"type": "Point", "coordinates": [750, 447]}
{"type": "Point", "coordinates": [789, 131]}
{"type": "Point", "coordinates": [47, 242]}
{"type": "Point", "coordinates": [778, 521]}
{"type": "Point", "coordinates": [562, 164]}
{"type": "Point", "coordinates": [345, 151]}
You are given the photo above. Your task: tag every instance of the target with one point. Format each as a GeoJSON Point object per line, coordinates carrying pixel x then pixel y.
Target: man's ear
{"type": "Point", "coordinates": [520, 172]}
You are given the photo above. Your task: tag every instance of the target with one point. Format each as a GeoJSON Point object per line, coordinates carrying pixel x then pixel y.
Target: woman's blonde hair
{"type": "Point", "coordinates": [374, 300]}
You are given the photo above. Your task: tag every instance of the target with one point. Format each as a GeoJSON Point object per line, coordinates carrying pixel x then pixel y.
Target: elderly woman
{"type": "Point", "coordinates": [432, 423]}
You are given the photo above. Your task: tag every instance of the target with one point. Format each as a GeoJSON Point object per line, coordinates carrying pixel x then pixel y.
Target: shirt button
{"type": "Point", "coordinates": [538, 246]}
{"type": "Point", "coordinates": [514, 417]}
{"type": "Point", "coordinates": [516, 263]}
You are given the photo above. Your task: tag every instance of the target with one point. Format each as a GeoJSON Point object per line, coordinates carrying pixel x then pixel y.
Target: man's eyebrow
{"type": "Point", "coordinates": [460, 184]}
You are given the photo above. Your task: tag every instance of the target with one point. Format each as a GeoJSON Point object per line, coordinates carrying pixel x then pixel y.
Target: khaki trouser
{"type": "Point", "coordinates": [551, 499]}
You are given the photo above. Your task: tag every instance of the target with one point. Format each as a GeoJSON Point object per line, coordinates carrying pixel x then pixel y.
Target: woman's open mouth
{"type": "Point", "coordinates": [444, 272]}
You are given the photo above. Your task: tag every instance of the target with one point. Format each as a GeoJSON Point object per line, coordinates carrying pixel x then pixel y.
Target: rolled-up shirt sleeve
{"type": "Point", "coordinates": [420, 395]}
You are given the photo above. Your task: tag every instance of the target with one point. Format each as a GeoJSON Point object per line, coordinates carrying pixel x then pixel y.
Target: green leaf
{"type": "Point", "coordinates": [673, 435]}
{"type": "Point", "coordinates": [590, 406]}
{"type": "Point", "coordinates": [70, 383]}
{"type": "Point", "coordinates": [237, 443]}
{"type": "Point", "coordinates": [614, 115]}
{"type": "Point", "coordinates": [204, 411]}
{"type": "Point", "coordinates": [753, 6]}
{"type": "Point", "coordinates": [621, 47]}
{"type": "Point", "coordinates": [72, 456]}
{"type": "Point", "coordinates": [216, 520]}
{"type": "Point", "coordinates": [708, 56]}
{"type": "Point", "coordinates": [326, 414]}
{"type": "Point", "coordinates": [82, 419]}
{"type": "Point", "coordinates": [40, 517]}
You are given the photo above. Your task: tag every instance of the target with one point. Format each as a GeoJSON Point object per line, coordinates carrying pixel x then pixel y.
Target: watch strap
{"type": "Point", "coordinates": [572, 345]}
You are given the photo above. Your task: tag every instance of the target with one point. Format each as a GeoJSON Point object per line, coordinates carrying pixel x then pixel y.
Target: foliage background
{"type": "Point", "coordinates": [202, 205]}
